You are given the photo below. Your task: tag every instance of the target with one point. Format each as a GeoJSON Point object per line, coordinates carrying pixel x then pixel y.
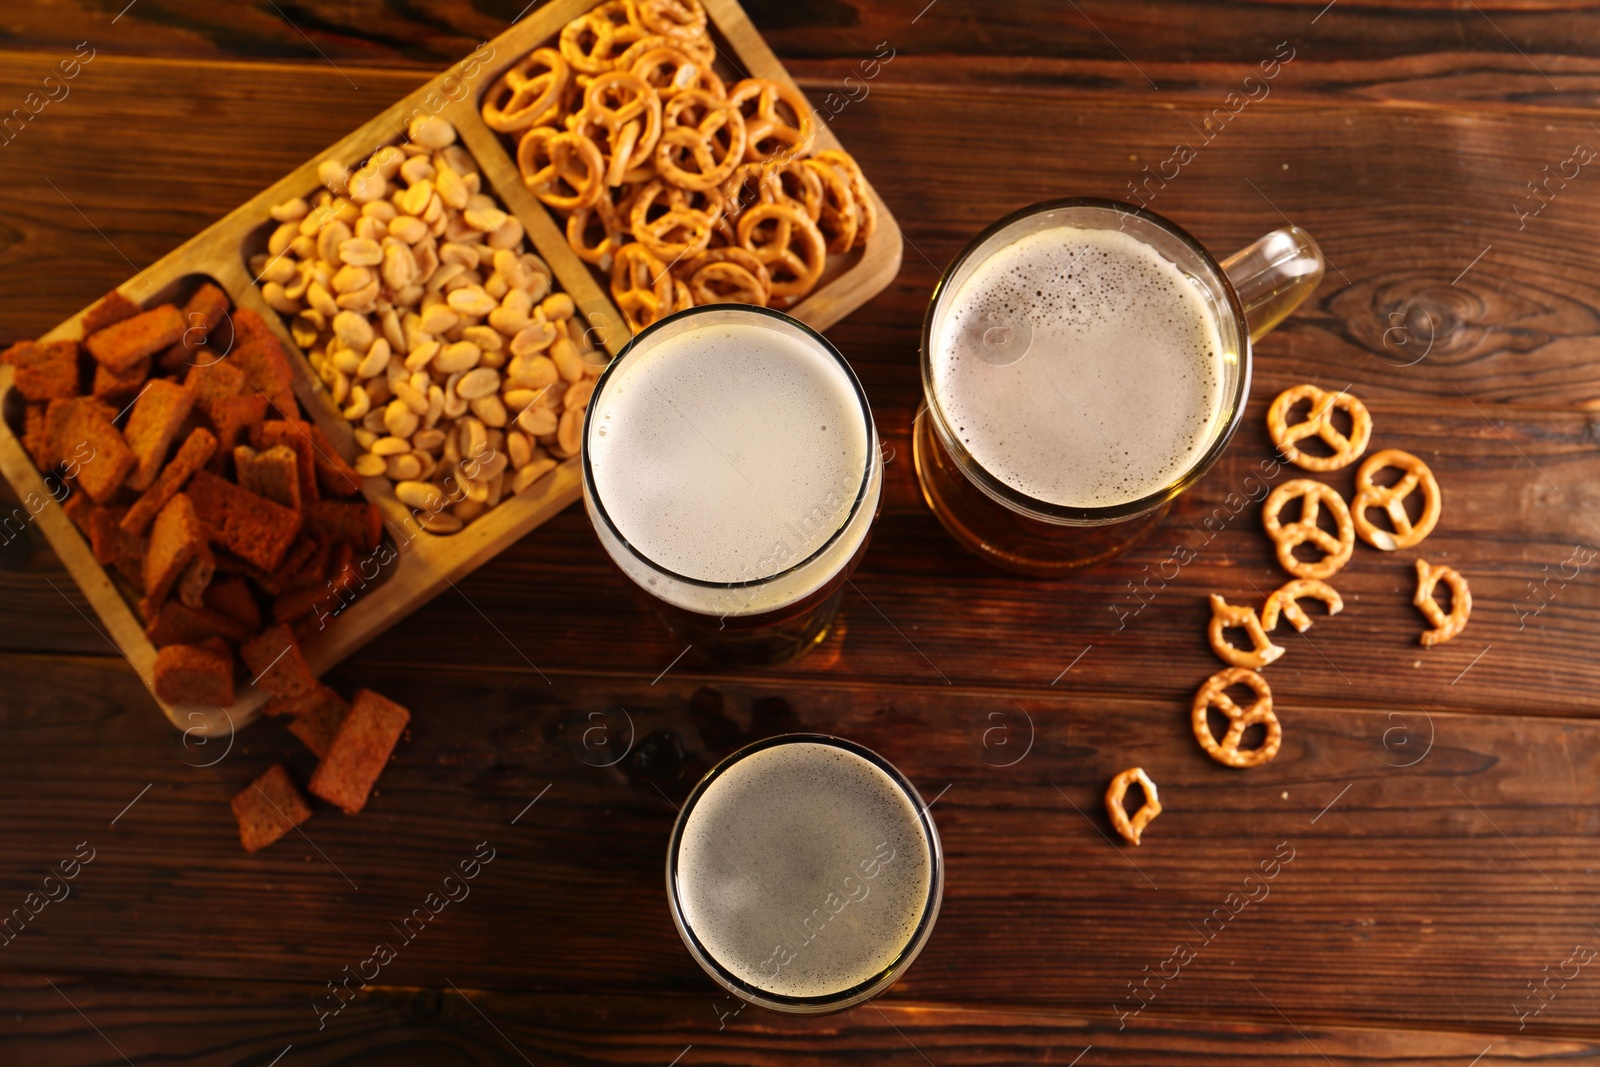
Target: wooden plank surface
{"type": "Point", "coordinates": [1440, 806]}
{"type": "Point", "coordinates": [193, 1025]}
{"type": "Point", "coordinates": [1424, 875]}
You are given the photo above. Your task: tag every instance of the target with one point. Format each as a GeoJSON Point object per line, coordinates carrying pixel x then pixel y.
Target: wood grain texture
{"type": "Point", "coordinates": [196, 1024]}
{"type": "Point", "coordinates": [1526, 52]}
{"type": "Point", "coordinates": [1040, 908]}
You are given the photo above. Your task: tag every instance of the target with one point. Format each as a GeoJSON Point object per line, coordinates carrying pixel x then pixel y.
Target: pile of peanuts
{"type": "Point", "coordinates": [439, 337]}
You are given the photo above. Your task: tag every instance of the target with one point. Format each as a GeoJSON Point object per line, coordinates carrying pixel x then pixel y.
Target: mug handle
{"type": "Point", "coordinates": [1274, 275]}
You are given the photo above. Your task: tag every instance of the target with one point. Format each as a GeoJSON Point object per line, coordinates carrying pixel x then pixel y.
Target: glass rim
{"type": "Point", "coordinates": [1063, 514]}
{"type": "Point", "coordinates": [736, 309]}
{"type": "Point", "coordinates": [861, 991]}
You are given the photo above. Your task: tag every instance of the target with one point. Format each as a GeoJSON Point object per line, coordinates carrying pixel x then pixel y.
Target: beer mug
{"type": "Point", "coordinates": [731, 469]}
{"type": "Point", "coordinates": [1084, 361]}
{"type": "Point", "coordinates": [804, 874]}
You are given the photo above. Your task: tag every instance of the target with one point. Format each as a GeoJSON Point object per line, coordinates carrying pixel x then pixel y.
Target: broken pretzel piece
{"type": "Point", "coordinates": [1131, 829]}
{"type": "Point", "coordinates": [1224, 615]}
{"type": "Point", "coordinates": [1213, 694]}
{"type": "Point", "coordinates": [1283, 600]}
{"type": "Point", "coordinates": [1444, 626]}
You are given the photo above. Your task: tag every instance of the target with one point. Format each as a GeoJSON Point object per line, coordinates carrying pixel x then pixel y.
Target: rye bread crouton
{"type": "Point", "coordinates": [335, 476]}
{"type": "Point", "coordinates": [36, 437]}
{"type": "Point", "coordinates": [332, 522]}
{"type": "Point", "coordinates": [265, 362]}
{"type": "Point", "coordinates": [112, 309]}
{"type": "Point", "coordinates": [211, 382]}
{"type": "Point", "coordinates": [190, 457]}
{"type": "Point", "coordinates": [115, 388]}
{"type": "Point", "coordinates": [156, 416]}
{"type": "Point", "coordinates": [178, 624]}
{"type": "Point", "coordinates": [44, 370]}
{"type": "Point", "coordinates": [195, 674]}
{"type": "Point", "coordinates": [176, 537]}
{"type": "Point", "coordinates": [79, 508]}
{"type": "Point", "coordinates": [250, 526]}
{"type": "Point", "coordinates": [272, 473]}
{"type": "Point", "coordinates": [231, 419]}
{"type": "Point", "coordinates": [359, 751]}
{"type": "Point", "coordinates": [318, 718]}
{"type": "Point", "coordinates": [196, 577]}
{"type": "Point", "coordinates": [86, 427]}
{"type": "Point", "coordinates": [268, 808]}
{"type": "Point", "coordinates": [276, 663]}
{"type": "Point", "coordinates": [294, 434]}
{"type": "Point", "coordinates": [231, 596]}
{"type": "Point", "coordinates": [126, 343]}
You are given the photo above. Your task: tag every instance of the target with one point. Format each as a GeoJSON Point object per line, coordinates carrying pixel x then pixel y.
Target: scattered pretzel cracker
{"type": "Point", "coordinates": [1118, 789]}
{"type": "Point", "coordinates": [1288, 536]}
{"type": "Point", "coordinates": [1284, 600]}
{"type": "Point", "coordinates": [1444, 626]}
{"type": "Point", "coordinates": [1346, 450]}
{"type": "Point", "coordinates": [1213, 694]}
{"type": "Point", "coordinates": [1415, 476]}
{"type": "Point", "coordinates": [1225, 615]}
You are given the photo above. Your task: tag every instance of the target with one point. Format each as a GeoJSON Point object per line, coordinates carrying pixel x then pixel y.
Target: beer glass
{"type": "Point", "coordinates": [988, 503]}
{"type": "Point", "coordinates": [804, 874]}
{"type": "Point", "coordinates": [731, 469]}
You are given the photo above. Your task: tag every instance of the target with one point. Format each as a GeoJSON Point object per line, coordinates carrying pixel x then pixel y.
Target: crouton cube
{"type": "Point", "coordinates": [211, 382]}
{"type": "Point", "coordinates": [178, 624]}
{"type": "Point", "coordinates": [115, 388]}
{"type": "Point", "coordinates": [318, 718]}
{"type": "Point", "coordinates": [112, 309]}
{"type": "Point", "coordinates": [232, 418]}
{"type": "Point", "coordinates": [196, 577]}
{"type": "Point", "coordinates": [272, 473]}
{"type": "Point", "coordinates": [195, 674]}
{"type": "Point", "coordinates": [258, 352]}
{"type": "Point", "coordinates": [232, 597]}
{"type": "Point", "coordinates": [358, 525]}
{"type": "Point", "coordinates": [36, 436]}
{"type": "Point", "coordinates": [359, 751]}
{"type": "Point", "coordinates": [268, 808]}
{"type": "Point", "coordinates": [175, 538]}
{"type": "Point", "coordinates": [126, 343]}
{"type": "Point", "coordinates": [86, 428]}
{"type": "Point", "coordinates": [335, 476]}
{"type": "Point", "coordinates": [45, 370]}
{"type": "Point", "coordinates": [156, 416]}
{"type": "Point", "coordinates": [250, 526]}
{"type": "Point", "coordinates": [190, 457]}
{"type": "Point", "coordinates": [294, 434]}
{"type": "Point", "coordinates": [276, 663]}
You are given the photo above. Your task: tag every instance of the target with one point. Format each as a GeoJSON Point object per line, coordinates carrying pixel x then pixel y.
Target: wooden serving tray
{"type": "Point", "coordinates": [425, 563]}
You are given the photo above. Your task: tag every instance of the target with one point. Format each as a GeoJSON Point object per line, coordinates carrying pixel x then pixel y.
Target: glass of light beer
{"type": "Point", "coordinates": [804, 874]}
{"type": "Point", "coordinates": [1085, 361]}
{"type": "Point", "coordinates": [731, 469]}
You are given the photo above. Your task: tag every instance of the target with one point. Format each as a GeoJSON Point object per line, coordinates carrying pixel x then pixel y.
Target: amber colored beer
{"type": "Point", "coordinates": [1084, 362]}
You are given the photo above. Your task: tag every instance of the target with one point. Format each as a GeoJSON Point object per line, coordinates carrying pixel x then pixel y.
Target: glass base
{"type": "Point", "coordinates": [736, 642]}
{"type": "Point", "coordinates": [989, 529]}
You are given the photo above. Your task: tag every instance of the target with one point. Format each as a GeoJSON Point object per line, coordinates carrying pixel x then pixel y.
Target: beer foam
{"type": "Point", "coordinates": [729, 453]}
{"type": "Point", "coordinates": [1121, 389]}
{"type": "Point", "coordinates": [782, 870]}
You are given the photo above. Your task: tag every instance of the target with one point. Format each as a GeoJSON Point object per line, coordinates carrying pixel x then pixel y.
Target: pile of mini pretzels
{"type": "Point", "coordinates": [682, 189]}
{"type": "Point", "coordinates": [1310, 577]}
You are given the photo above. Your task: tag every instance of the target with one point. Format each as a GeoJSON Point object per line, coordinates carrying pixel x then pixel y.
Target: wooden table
{"type": "Point", "coordinates": [1440, 806]}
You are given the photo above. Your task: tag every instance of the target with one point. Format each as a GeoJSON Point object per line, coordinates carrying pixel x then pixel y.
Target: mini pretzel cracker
{"type": "Point", "coordinates": [1287, 536]}
{"type": "Point", "coordinates": [1444, 626]}
{"type": "Point", "coordinates": [1319, 424]}
{"type": "Point", "coordinates": [1392, 499]}
{"type": "Point", "coordinates": [1284, 600]}
{"type": "Point", "coordinates": [1119, 814]}
{"type": "Point", "coordinates": [626, 131]}
{"type": "Point", "coordinates": [1213, 694]}
{"type": "Point", "coordinates": [1224, 615]}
